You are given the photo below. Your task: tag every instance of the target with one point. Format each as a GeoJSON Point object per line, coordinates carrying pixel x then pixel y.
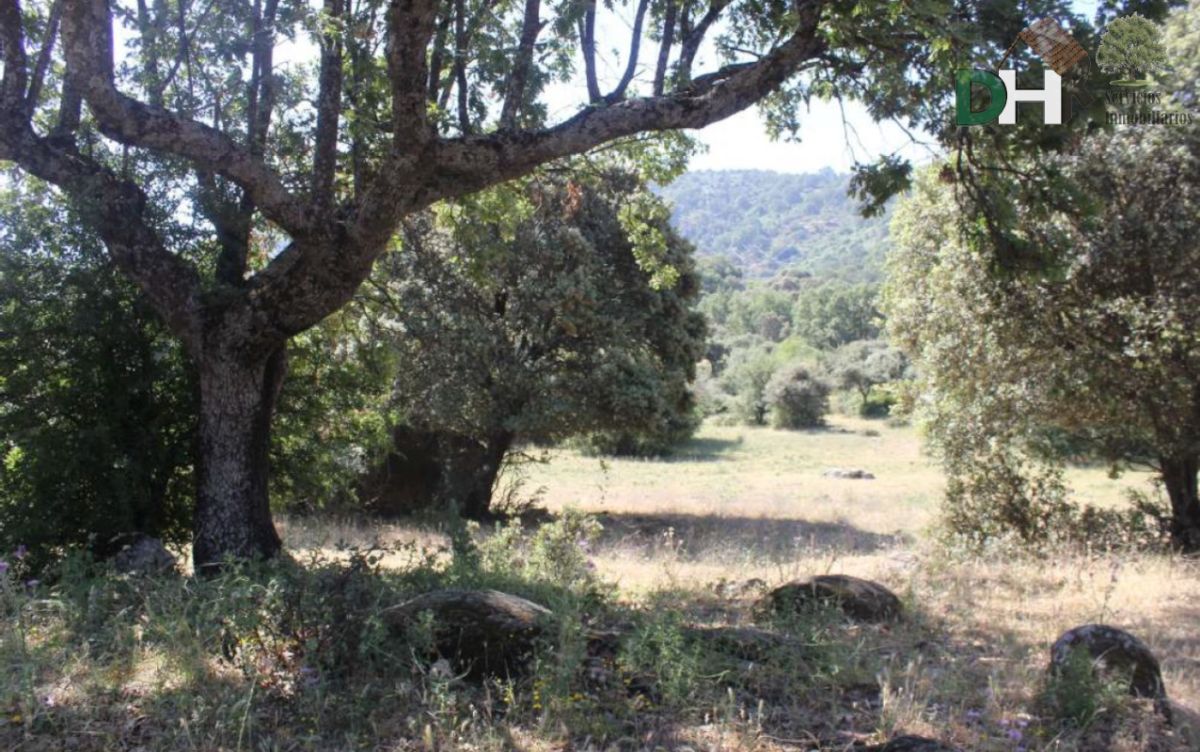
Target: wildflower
{"type": "Point", "coordinates": [21, 552]}
{"type": "Point", "coordinates": [3, 567]}
{"type": "Point", "coordinates": [1015, 735]}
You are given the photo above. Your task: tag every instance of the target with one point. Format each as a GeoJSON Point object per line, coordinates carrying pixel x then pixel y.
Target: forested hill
{"type": "Point", "coordinates": [765, 221]}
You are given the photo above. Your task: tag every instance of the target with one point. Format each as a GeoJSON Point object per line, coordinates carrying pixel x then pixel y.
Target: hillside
{"type": "Point", "coordinates": [765, 221]}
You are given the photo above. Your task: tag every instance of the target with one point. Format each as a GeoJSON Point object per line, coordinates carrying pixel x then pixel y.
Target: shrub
{"type": "Point", "coordinates": [798, 399]}
{"type": "Point", "coordinates": [1004, 495]}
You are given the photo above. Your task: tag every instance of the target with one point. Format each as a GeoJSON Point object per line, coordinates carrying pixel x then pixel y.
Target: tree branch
{"type": "Point", "coordinates": [43, 59]}
{"type": "Point", "coordinates": [664, 49]}
{"type": "Point", "coordinates": [410, 25]}
{"type": "Point", "coordinates": [587, 44]}
{"type": "Point", "coordinates": [514, 93]}
{"type": "Point", "coordinates": [88, 44]}
{"type": "Point", "coordinates": [329, 100]}
{"type": "Point", "coordinates": [466, 163]}
{"type": "Point", "coordinates": [635, 45]}
{"type": "Point", "coordinates": [695, 36]}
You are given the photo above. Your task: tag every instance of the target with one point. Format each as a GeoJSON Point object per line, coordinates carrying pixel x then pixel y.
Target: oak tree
{"type": "Point", "coordinates": [300, 135]}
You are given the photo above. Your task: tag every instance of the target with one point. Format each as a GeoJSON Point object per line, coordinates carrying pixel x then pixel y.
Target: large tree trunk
{"type": "Point", "coordinates": [233, 514]}
{"type": "Point", "coordinates": [469, 471]}
{"type": "Point", "coordinates": [1179, 477]}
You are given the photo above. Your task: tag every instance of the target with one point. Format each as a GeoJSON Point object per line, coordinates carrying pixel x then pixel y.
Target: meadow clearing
{"type": "Point", "coordinates": [743, 509]}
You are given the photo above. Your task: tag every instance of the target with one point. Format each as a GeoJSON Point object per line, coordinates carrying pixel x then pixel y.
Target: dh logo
{"type": "Point", "coordinates": [1004, 96]}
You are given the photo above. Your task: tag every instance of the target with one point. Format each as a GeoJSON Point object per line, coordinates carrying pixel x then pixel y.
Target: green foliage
{"type": "Point", "coordinates": [1078, 695]}
{"type": "Point", "coordinates": [798, 399]}
{"type": "Point", "coordinates": [96, 422]}
{"type": "Point", "coordinates": [1131, 46]}
{"type": "Point", "coordinates": [765, 222]}
{"type": "Point", "coordinates": [333, 415]}
{"type": "Point", "coordinates": [1100, 349]}
{"type": "Point", "coordinates": [835, 313]}
{"type": "Point", "coordinates": [545, 324]}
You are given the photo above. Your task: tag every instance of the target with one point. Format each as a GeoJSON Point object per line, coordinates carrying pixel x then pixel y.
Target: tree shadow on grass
{"type": "Point", "coordinates": [706, 449]}
{"type": "Point", "coordinates": [698, 536]}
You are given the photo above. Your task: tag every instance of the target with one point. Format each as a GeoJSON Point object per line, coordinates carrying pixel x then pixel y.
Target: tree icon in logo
{"type": "Point", "coordinates": [1131, 48]}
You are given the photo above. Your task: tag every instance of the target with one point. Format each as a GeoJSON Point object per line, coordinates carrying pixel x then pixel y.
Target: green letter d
{"type": "Point", "coordinates": [963, 79]}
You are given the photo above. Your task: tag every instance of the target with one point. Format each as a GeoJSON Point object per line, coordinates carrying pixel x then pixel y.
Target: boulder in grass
{"type": "Point", "coordinates": [848, 473]}
{"type": "Point", "coordinates": [857, 598]}
{"type": "Point", "coordinates": [481, 632]}
{"type": "Point", "coordinates": [144, 555]}
{"type": "Point", "coordinates": [1115, 654]}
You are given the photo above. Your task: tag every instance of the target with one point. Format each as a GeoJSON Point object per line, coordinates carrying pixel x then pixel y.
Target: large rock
{"type": "Point", "coordinates": [480, 632]}
{"type": "Point", "coordinates": [144, 555]}
{"type": "Point", "coordinates": [1115, 654]}
{"type": "Point", "coordinates": [858, 598]}
{"type": "Point", "coordinates": [848, 473]}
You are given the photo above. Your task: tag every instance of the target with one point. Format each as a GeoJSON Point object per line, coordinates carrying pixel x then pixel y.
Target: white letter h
{"type": "Point", "coordinates": [1051, 97]}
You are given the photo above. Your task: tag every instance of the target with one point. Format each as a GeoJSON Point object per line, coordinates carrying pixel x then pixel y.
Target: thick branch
{"type": "Point", "coordinates": [329, 100]}
{"type": "Point", "coordinates": [460, 65]}
{"type": "Point", "coordinates": [694, 36]}
{"type": "Point", "coordinates": [43, 59]}
{"type": "Point", "coordinates": [664, 49]}
{"type": "Point", "coordinates": [466, 163]}
{"type": "Point", "coordinates": [410, 26]}
{"type": "Point", "coordinates": [87, 40]}
{"type": "Point", "coordinates": [587, 44]}
{"type": "Point", "coordinates": [12, 37]}
{"type": "Point", "coordinates": [515, 91]}
{"type": "Point", "coordinates": [116, 210]}
{"type": "Point", "coordinates": [635, 45]}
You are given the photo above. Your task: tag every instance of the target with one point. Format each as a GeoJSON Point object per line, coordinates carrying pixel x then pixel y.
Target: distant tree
{"type": "Point", "coordinates": [1107, 348]}
{"type": "Point", "coordinates": [750, 368]}
{"type": "Point", "coordinates": [798, 398]}
{"type": "Point", "coordinates": [861, 366]}
{"type": "Point", "coordinates": [533, 312]}
{"type": "Point", "coordinates": [1131, 46]}
{"type": "Point", "coordinates": [834, 313]}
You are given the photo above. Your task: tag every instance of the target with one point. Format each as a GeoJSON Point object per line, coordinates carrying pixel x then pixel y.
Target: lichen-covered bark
{"type": "Point", "coordinates": [233, 514]}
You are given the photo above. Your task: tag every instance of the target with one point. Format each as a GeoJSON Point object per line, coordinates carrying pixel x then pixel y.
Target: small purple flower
{"type": "Point", "coordinates": [1015, 735]}
{"type": "Point", "coordinates": [31, 584]}
{"type": "Point", "coordinates": [974, 715]}
{"type": "Point", "coordinates": [21, 552]}
{"type": "Point", "coordinates": [3, 567]}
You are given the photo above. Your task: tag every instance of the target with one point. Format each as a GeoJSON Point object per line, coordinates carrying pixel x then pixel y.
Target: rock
{"type": "Point", "coordinates": [858, 598]}
{"type": "Point", "coordinates": [144, 555]}
{"type": "Point", "coordinates": [847, 473]}
{"type": "Point", "coordinates": [481, 632]}
{"type": "Point", "coordinates": [1116, 654]}
{"type": "Point", "coordinates": [913, 744]}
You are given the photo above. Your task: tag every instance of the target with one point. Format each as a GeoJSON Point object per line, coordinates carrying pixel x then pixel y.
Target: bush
{"type": "Point", "coordinates": [797, 398]}
{"type": "Point", "coordinates": [1005, 496]}
{"type": "Point", "coordinates": [876, 405]}
{"type": "Point", "coordinates": [96, 420]}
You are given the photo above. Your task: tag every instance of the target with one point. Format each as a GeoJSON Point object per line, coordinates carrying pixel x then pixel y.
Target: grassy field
{"type": "Point", "coordinates": [687, 543]}
{"type": "Point", "coordinates": [744, 509]}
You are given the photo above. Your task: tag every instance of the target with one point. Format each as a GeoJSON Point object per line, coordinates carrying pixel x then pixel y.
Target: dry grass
{"type": "Point", "coordinates": [744, 504]}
